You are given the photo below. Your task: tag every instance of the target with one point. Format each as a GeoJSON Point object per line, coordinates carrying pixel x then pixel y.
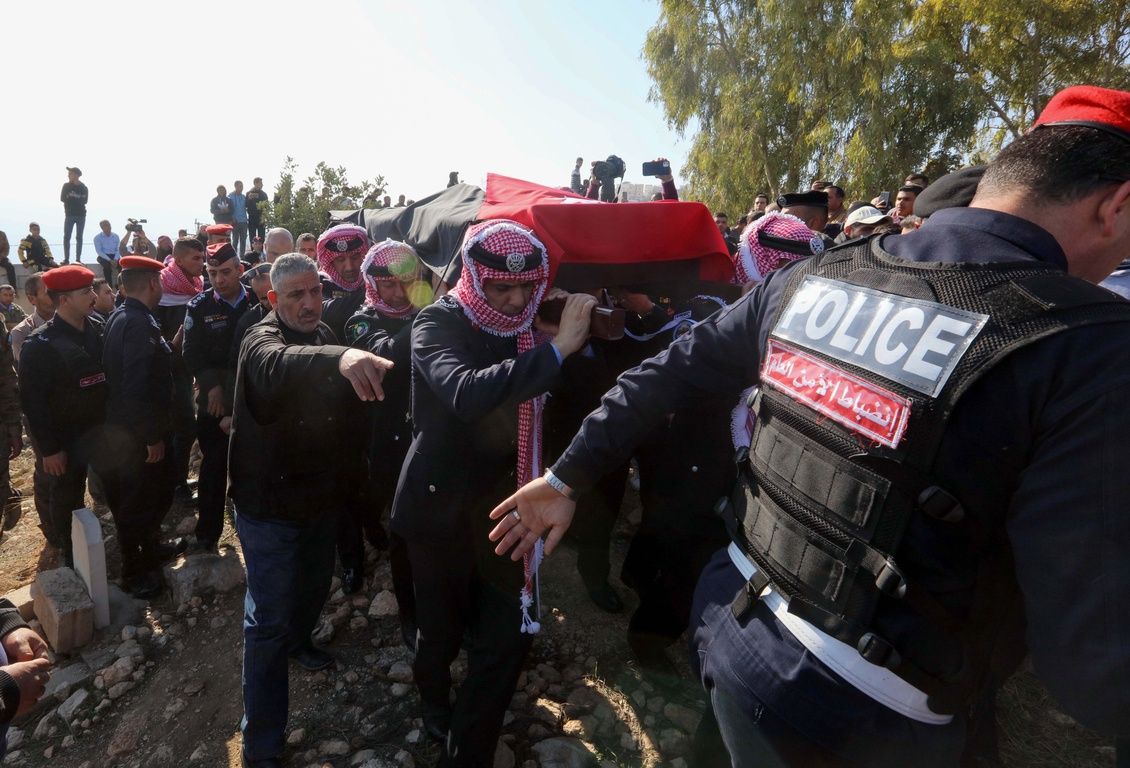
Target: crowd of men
{"type": "Point", "coordinates": [869, 485]}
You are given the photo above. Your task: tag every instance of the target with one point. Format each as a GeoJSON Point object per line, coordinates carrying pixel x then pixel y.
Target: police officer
{"type": "Point", "coordinates": [208, 328]}
{"type": "Point", "coordinates": [479, 381]}
{"type": "Point", "coordinates": [137, 464]}
{"type": "Point", "coordinates": [63, 394]}
{"type": "Point", "coordinates": [384, 327]}
{"type": "Point", "coordinates": [930, 406]}
{"type": "Point", "coordinates": [181, 281]}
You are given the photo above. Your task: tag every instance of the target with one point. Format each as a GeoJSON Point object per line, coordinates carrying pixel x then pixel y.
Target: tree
{"type": "Point", "coordinates": [305, 206]}
{"type": "Point", "coordinates": [778, 92]}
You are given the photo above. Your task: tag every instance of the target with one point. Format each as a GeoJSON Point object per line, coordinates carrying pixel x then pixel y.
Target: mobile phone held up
{"type": "Point", "coordinates": [657, 169]}
{"type": "Point", "coordinates": [885, 200]}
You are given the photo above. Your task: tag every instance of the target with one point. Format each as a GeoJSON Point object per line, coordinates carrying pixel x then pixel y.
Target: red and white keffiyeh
{"type": "Point", "coordinates": [756, 258]}
{"type": "Point", "coordinates": [387, 261]}
{"type": "Point", "coordinates": [512, 243]}
{"type": "Point", "coordinates": [337, 241]}
{"type": "Point", "coordinates": [177, 287]}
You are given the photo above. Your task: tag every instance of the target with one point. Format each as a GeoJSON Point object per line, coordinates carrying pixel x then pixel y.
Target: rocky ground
{"type": "Point", "coordinates": [163, 688]}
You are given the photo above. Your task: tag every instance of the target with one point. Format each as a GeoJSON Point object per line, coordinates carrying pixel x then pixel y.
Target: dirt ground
{"type": "Point", "coordinates": [186, 707]}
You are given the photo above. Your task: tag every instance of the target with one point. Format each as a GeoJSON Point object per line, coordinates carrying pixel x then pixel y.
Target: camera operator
{"type": "Point", "coordinates": [602, 183]}
{"type": "Point", "coordinates": [138, 244]}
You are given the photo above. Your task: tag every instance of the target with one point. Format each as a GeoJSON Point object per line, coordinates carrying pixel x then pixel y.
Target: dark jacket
{"type": "Point", "coordinates": [466, 388]}
{"type": "Point", "coordinates": [74, 198]}
{"type": "Point", "coordinates": [139, 372]}
{"type": "Point", "coordinates": [9, 690]}
{"type": "Point", "coordinates": [63, 385]}
{"type": "Point", "coordinates": [209, 326]}
{"type": "Point", "coordinates": [253, 315]}
{"type": "Point", "coordinates": [390, 420]}
{"type": "Point", "coordinates": [220, 208]}
{"type": "Point", "coordinates": [297, 428]}
{"type": "Point", "coordinates": [338, 305]}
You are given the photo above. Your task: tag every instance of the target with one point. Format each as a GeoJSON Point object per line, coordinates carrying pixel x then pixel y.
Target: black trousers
{"type": "Point", "coordinates": [212, 489]}
{"type": "Point", "coordinates": [593, 524]}
{"type": "Point", "coordinates": [184, 427]}
{"type": "Point", "coordinates": [56, 497]}
{"type": "Point", "coordinates": [139, 495]}
{"type": "Point", "coordinates": [381, 489]}
{"type": "Point", "coordinates": [460, 592]}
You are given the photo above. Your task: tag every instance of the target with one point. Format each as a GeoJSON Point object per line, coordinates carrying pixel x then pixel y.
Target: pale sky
{"type": "Point", "coordinates": [158, 103]}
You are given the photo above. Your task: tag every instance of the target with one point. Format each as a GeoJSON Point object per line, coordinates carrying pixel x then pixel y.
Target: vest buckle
{"type": "Point", "coordinates": [890, 580]}
{"type": "Point", "coordinates": [940, 505]}
{"type": "Point", "coordinates": [878, 651]}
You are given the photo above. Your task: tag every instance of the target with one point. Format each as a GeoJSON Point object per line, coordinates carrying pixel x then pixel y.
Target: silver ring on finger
{"type": "Point", "coordinates": [515, 515]}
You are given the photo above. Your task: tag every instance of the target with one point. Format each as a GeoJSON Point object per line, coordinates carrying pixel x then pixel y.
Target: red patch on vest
{"type": "Point", "coordinates": [846, 399]}
{"type": "Point", "coordinates": [90, 381]}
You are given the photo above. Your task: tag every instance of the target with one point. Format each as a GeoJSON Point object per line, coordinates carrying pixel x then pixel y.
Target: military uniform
{"type": "Point", "coordinates": [339, 305]}
{"type": "Point", "coordinates": [12, 427]}
{"type": "Point", "coordinates": [389, 437]}
{"type": "Point", "coordinates": [138, 363]}
{"type": "Point", "coordinates": [171, 314]}
{"type": "Point", "coordinates": [63, 395]}
{"type": "Point", "coordinates": [209, 326]}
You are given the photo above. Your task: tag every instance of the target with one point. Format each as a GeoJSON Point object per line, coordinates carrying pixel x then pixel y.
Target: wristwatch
{"type": "Point", "coordinates": [556, 484]}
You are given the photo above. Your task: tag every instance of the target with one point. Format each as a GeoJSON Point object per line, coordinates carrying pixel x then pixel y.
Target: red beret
{"type": "Point", "coordinates": [218, 253]}
{"type": "Point", "coordinates": [72, 277]}
{"type": "Point", "coordinates": [218, 229]}
{"type": "Point", "coordinates": [140, 262]}
{"type": "Point", "coordinates": [1088, 105]}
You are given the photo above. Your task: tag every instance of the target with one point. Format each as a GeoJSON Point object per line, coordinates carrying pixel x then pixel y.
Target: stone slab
{"type": "Point", "coordinates": [64, 609]}
{"type": "Point", "coordinates": [90, 561]}
{"type": "Point", "coordinates": [66, 679]}
{"type": "Point", "coordinates": [201, 574]}
{"type": "Point", "coordinates": [23, 600]}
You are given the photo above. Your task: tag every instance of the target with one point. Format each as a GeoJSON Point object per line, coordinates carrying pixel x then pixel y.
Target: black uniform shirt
{"type": "Point", "coordinates": [209, 325]}
{"type": "Point", "coordinates": [338, 305]}
{"type": "Point", "coordinates": [138, 363]}
{"type": "Point", "coordinates": [62, 384]}
{"type": "Point", "coordinates": [1036, 446]}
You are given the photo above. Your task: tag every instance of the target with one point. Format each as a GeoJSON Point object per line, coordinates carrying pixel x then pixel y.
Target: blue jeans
{"type": "Point", "coordinates": [778, 705]}
{"type": "Point", "coordinates": [70, 223]}
{"type": "Point", "coordinates": [288, 578]}
{"type": "Point", "coordinates": [239, 236]}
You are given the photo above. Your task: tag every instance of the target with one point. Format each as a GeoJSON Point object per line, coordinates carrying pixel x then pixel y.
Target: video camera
{"type": "Point", "coordinates": [608, 170]}
{"type": "Point", "coordinates": [134, 225]}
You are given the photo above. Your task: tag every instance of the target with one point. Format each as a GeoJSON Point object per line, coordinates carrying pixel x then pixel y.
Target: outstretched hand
{"type": "Point", "coordinates": [365, 371]}
{"type": "Point", "coordinates": [541, 510]}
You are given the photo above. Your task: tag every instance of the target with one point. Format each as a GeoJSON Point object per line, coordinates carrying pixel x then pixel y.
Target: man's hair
{"type": "Point", "coordinates": [720, 215]}
{"type": "Point", "coordinates": [761, 194]}
{"type": "Point", "coordinates": [278, 232]}
{"type": "Point", "coordinates": [839, 189]}
{"type": "Point", "coordinates": [909, 222]}
{"type": "Point", "coordinates": [33, 283]}
{"type": "Point", "coordinates": [920, 179]}
{"type": "Point", "coordinates": [306, 237]}
{"type": "Point", "coordinates": [104, 221]}
{"type": "Point", "coordinates": [187, 244]}
{"type": "Point", "coordinates": [32, 224]}
{"type": "Point", "coordinates": [96, 285]}
{"type": "Point", "coordinates": [136, 280]}
{"type": "Point", "coordinates": [1060, 164]}
{"type": "Point", "coordinates": [291, 265]}
{"type": "Point", "coordinates": [7, 286]}
{"type": "Point", "coordinates": [258, 179]}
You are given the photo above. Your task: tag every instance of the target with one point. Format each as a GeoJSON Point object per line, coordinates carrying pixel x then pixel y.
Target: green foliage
{"type": "Point", "coordinates": [304, 206]}
{"type": "Point", "coordinates": [779, 92]}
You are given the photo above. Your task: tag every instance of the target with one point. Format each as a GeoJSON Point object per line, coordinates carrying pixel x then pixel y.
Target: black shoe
{"type": "Point", "coordinates": [312, 658]}
{"type": "Point", "coordinates": [267, 762]}
{"type": "Point", "coordinates": [651, 654]}
{"type": "Point", "coordinates": [202, 547]}
{"type": "Point", "coordinates": [13, 510]}
{"type": "Point", "coordinates": [167, 552]}
{"type": "Point", "coordinates": [606, 599]}
{"type": "Point", "coordinates": [144, 585]}
{"type": "Point", "coordinates": [437, 724]}
{"type": "Point", "coordinates": [408, 634]}
{"type": "Point", "coordinates": [351, 580]}
{"type": "Point", "coordinates": [182, 495]}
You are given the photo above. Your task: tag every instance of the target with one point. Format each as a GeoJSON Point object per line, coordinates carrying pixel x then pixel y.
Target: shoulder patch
{"type": "Point", "coordinates": [187, 321]}
{"type": "Point", "coordinates": [356, 328]}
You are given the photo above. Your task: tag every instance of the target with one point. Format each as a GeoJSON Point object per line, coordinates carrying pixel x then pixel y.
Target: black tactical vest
{"type": "Point", "coordinates": [866, 360]}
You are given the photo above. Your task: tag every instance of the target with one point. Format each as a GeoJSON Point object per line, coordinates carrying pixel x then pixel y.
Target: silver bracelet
{"type": "Point", "coordinates": [556, 484]}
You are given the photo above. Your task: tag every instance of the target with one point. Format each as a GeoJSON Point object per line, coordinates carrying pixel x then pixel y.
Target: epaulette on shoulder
{"type": "Point", "coordinates": [196, 300]}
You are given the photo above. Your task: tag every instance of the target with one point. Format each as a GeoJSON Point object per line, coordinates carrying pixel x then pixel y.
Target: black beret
{"type": "Point", "coordinates": [954, 190]}
{"type": "Point", "coordinates": [811, 197]}
{"type": "Point", "coordinates": [514, 262]}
